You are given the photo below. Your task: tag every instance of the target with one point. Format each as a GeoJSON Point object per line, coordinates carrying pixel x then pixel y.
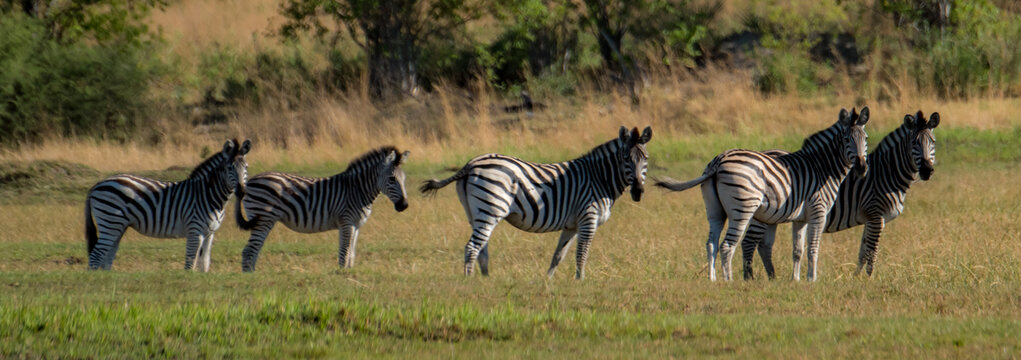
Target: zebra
{"type": "Point", "coordinates": [906, 154]}
{"type": "Point", "coordinates": [799, 187]}
{"type": "Point", "coordinates": [311, 205]}
{"type": "Point", "coordinates": [574, 196]}
{"type": "Point", "coordinates": [192, 208]}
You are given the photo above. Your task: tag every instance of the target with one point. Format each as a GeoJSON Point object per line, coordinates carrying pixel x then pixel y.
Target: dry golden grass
{"type": "Point", "coordinates": [193, 26]}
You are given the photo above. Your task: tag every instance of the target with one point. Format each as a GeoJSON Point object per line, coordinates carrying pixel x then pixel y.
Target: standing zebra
{"type": "Point", "coordinates": [192, 208]}
{"type": "Point", "coordinates": [573, 196]}
{"type": "Point", "coordinates": [799, 187]}
{"type": "Point", "coordinates": [905, 155]}
{"type": "Point", "coordinates": [310, 205]}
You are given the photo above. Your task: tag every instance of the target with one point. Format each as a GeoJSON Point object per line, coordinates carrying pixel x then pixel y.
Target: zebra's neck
{"type": "Point", "coordinates": [603, 166]}
{"type": "Point", "coordinates": [823, 153]}
{"type": "Point", "coordinates": [891, 164]}
{"type": "Point", "coordinates": [358, 184]}
{"type": "Point", "coordinates": [209, 183]}
{"type": "Point", "coordinates": [212, 187]}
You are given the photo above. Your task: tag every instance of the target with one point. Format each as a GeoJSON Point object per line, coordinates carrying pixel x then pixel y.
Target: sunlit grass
{"type": "Point", "coordinates": [946, 284]}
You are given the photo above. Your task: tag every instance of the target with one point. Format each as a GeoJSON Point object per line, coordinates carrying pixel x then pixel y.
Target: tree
{"type": "Point", "coordinates": [392, 33]}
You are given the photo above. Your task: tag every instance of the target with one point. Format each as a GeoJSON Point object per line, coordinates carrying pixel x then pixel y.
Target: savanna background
{"type": "Point", "coordinates": [94, 88]}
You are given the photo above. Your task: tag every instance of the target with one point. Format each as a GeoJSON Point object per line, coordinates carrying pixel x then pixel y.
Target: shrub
{"type": "Point", "coordinates": [68, 89]}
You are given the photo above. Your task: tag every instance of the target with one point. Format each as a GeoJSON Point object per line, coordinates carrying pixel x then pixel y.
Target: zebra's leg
{"type": "Point", "coordinates": [766, 250]}
{"type": "Point", "coordinates": [112, 254]}
{"type": "Point", "coordinates": [484, 260]}
{"type": "Point", "coordinates": [109, 235]}
{"type": "Point", "coordinates": [482, 228]}
{"type": "Point", "coordinates": [752, 239]}
{"type": "Point", "coordinates": [798, 240]}
{"type": "Point", "coordinates": [205, 252]}
{"type": "Point", "coordinates": [251, 252]}
{"type": "Point", "coordinates": [345, 250]}
{"type": "Point", "coordinates": [566, 238]}
{"type": "Point", "coordinates": [191, 249]}
{"type": "Point", "coordinates": [735, 231]}
{"type": "Point", "coordinates": [354, 248]}
{"type": "Point", "coordinates": [870, 244]}
{"type": "Point", "coordinates": [816, 222]}
{"type": "Point", "coordinates": [586, 231]}
{"type": "Point", "coordinates": [717, 218]}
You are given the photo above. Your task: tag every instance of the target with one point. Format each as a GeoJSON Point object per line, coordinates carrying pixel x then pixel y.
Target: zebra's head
{"type": "Point", "coordinates": [634, 159]}
{"type": "Point", "coordinates": [391, 179]}
{"type": "Point", "coordinates": [923, 144]}
{"type": "Point", "coordinates": [235, 169]}
{"type": "Point", "coordinates": [855, 139]}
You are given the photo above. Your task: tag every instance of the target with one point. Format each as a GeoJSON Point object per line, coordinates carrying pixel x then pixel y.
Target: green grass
{"type": "Point", "coordinates": [947, 282]}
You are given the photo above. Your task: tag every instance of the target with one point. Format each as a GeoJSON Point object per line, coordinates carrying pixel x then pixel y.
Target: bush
{"type": "Point", "coordinates": [68, 89]}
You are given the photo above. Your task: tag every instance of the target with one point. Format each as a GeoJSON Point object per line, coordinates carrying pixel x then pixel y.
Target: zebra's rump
{"type": "Point", "coordinates": [531, 196]}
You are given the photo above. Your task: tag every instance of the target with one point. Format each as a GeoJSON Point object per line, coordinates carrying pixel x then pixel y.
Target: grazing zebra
{"type": "Point", "coordinates": [573, 196]}
{"type": "Point", "coordinates": [311, 205]}
{"type": "Point", "coordinates": [905, 155]}
{"type": "Point", "coordinates": [799, 187]}
{"type": "Point", "coordinates": [192, 208]}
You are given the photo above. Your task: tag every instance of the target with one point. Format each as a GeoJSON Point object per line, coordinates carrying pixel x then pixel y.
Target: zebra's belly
{"type": "Point", "coordinates": [174, 232]}
{"type": "Point", "coordinates": [310, 228]}
{"type": "Point", "coordinates": [518, 220]}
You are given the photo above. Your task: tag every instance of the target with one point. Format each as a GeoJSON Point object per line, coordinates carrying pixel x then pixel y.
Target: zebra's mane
{"type": "Point", "coordinates": [601, 150]}
{"type": "Point", "coordinates": [372, 158]}
{"type": "Point", "coordinates": [823, 137]}
{"type": "Point", "coordinates": [892, 140]}
{"type": "Point", "coordinates": [210, 163]}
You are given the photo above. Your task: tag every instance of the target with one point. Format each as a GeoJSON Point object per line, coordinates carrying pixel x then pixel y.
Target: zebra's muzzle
{"type": "Point", "coordinates": [925, 172]}
{"type": "Point", "coordinates": [636, 192]}
{"type": "Point", "coordinates": [861, 167]}
{"type": "Point", "coordinates": [401, 206]}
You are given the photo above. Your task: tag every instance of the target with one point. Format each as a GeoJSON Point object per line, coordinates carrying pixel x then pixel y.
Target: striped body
{"type": "Point", "coordinates": [741, 185]}
{"type": "Point", "coordinates": [574, 197]}
{"type": "Point", "coordinates": [872, 200]}
{"type": "Point", "coordinates": [312, 205]}
{"type": "Point", "coordinates": [192, 208]}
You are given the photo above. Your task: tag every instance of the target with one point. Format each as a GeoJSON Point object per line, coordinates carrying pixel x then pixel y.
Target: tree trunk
{"type": "Point", "coordinates": [392, 52]}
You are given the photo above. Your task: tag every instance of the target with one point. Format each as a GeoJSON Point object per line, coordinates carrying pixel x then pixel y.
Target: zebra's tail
{"type": "Point", "coordinates": [431, 186]}
{"type": "Point", "coordinates": [674, 185]}
{"type": "Point", "coordinates": [91, 233]}
{"type": "Point", "coordinates": [239, 214]}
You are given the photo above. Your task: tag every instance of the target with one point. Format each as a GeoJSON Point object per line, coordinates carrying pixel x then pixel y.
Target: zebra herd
{"type": "Point", "coordinates": [829, 185]}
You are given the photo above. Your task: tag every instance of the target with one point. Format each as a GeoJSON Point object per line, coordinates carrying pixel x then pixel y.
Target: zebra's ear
{"type": "Point", "coordinates": [909, 120]}
{"type": "Point", "coordinates": [844, 117]}
{"type": "Point", "coordinates": [390, 157]}
{"type": "Point", "coordinates": [623, 133]}
{"type": "Point", "coordinates": [245, 147]}
{"type": "Point", "coordinates": [229, 146]}
{"type": "Point", "coordinates": [404, 157]}
{"type": "Point", "coordinates": [646, 135]}
{"type": "Point", "coordinates": [863, 117]}
{"type": "Point", "coordinates": [934, 120]}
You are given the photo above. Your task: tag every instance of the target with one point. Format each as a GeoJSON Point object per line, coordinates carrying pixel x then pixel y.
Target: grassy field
{"type": "Point", "coordinates": [947, 283]}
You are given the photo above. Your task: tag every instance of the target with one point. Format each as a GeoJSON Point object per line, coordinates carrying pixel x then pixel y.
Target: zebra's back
{"type": "Point", "coordinates": [152, 207]}
{"type": "Point", "coordinates": [301, 203]}
{"type": "Point", "coordinates": [533, 197]}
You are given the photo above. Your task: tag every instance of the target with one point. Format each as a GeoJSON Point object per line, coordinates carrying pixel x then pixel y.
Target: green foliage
{"type": "Point", "coordinates": [48, 87]}
{"type": "Point", "coordinates": [978, 56]}
{"type": "Point", "coordinates": [789, 71]}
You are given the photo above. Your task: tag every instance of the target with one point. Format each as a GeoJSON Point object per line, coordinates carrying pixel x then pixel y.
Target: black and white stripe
{"type": "Point", "coordinates": [906, 154]}
{"type": "Point", "coordinates": [192, 208]}
{"type": "Point", "coordinates": [310, 205]}
{"type": "Point", "coordinates": [800, 187]}
{"type": "Point", "coordinates": [573, 196]}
